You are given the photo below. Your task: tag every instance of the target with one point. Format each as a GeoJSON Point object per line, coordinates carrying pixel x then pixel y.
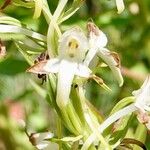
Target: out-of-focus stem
{"type": "Point", "coordinates": [140, 134]}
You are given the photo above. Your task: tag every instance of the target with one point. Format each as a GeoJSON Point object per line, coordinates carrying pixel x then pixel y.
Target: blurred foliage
{"type": "Point", "coordinates": [128, 34]}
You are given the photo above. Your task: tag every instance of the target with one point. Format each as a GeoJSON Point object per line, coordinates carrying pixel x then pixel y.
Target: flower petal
{"type": "Point", "coordinates": [90, 55]}
{"type": "Point", "coordinates": [143, 96]}
{"type": "Point", "coordinates": [45, 67]}
{"type": "Point", "coordinates": [97, 39]}
{"type": "Point", "coordinates": [39, 139]}
{"type": "Point", "coordinates": [145, 85]}
{"type": "Point", "coordinates": [120, 6]}
{"type": "Point", "coordinates": [42, 145]}
{"type": "Point", "coordinates": [113, 62]}
{"type": "Point", "coordinates": [38, 68]}
{"type": "Point", "coordinates": [83, 71]}
{"type": "Point", "coordinates": [65, 77]}
{"type": "Point", "coordinates": [52, 65]}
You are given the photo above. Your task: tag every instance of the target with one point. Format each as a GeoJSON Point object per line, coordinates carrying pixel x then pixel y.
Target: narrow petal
{"type": "Point", "coordinates": [113, 62]}
{"type": "Point", "coordinates": [45, 67]}
{"type": "Point", "coordinates": [90, 55]}
{"type": "Point", "coordinates": [120, 6]}
{"type": "Point", "coordinates": [83, 71]}
{"type": "Point", "coordinates": [65, 77]}
{"type": "Point", "coordinates": [38, 68]}
{"type": "Point", "coordinates": [145, 85]}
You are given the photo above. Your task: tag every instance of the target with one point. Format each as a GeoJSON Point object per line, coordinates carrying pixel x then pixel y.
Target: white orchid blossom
{"type": "Point", "coordinates": [143, 96]}
{"type": "Point", "coordinates": [97, 43]}
{"type": "Point", "coordinates": [141, 105]}
{"type": "Point", "coordinates": [40, 140]}
{"type": "Point", "coordinates": [120, 6]}
{"type": "Point", "coordinates": [71, 52]}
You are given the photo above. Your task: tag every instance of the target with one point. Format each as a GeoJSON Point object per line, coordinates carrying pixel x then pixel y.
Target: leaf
{"type": "Point", "coordinates": [12, 66]}
{"type": "Point", "coordinates": [122, 103]}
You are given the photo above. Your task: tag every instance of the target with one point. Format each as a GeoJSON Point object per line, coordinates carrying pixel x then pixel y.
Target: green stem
{"type": "Point", "coordinates": [68, 122]}
{"type": "Point", "coordinates": [51, 29]}
{"type": "Point", "coordinates": [59, 131]}
{"type": "Point", "coordinates": [92, 120]}
{"type": "Point", "coordinates": [140, 135]}
{"type": "Point", "coordinates": [74, 118]}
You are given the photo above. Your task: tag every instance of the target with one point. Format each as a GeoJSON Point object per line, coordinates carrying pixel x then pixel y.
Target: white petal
{"type": "Point", "coordinates": [52, 65]}
{"type": "Point", "coordinates": [143, 96]}
{"type": "Point", "coordinates": [97, 39]}
{"type": "Point", "coordinates": [42, 145]}
{"type": "Point", "coordinates": [44, 136]}
{"type": "Point", "coordinates": [145, 85]}
{"type": "Point", "coordinates": [105, 54]}
{"type": "Point", "coordinates": [40, 137]}
{"type": "Point", "coordinates": [90, 55]}
{"type": "Point", "coordinates": [102, 40]}
{"type": "Point", "coordinates": [65, 77]}
{"type": "Point", "coordinates": [120, 6]}
{"type": "Point", "coordinates": [38, 68]}
{"type": "Point", "coordinates": [83, 71]}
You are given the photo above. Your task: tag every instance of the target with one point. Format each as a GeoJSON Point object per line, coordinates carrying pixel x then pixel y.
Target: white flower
{"type": "Point", "coordinates": [39, 140]}
{"type": "Point", "coordinates": [97, 43]}
{"type": "Point", "coordinates": [143, 96]}
{"type": "Point", "coordinates": [120, 6]}
{"type": "Point", "coordinates": [71, 53]}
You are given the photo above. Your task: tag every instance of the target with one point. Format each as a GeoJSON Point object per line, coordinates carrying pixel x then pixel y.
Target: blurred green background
{"type": "Point", "coordinates": [128, 34]}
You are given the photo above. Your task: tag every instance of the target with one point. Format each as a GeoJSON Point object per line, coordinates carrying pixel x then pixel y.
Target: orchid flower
{"type": "Point", "coordinates": [141, 105]}
{"type": "Point", "coordinates": [143, 96]}
{"type": "Point", "coordinates": [71, 52]}
{"type": "Point", "coordinates": [97, 43]}
{"type": "Point", "coordinates": [120, 6]}
{"type": "Point", "coordinates": [40, 140]}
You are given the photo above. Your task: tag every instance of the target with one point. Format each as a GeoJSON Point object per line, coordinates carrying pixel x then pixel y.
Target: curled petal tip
{"type": "Point", "coordinates": [121, 82]}
{"type": "Point", "coordinates": [38, 68]}
{"type": "Point", "coordinates": [120, 6]}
